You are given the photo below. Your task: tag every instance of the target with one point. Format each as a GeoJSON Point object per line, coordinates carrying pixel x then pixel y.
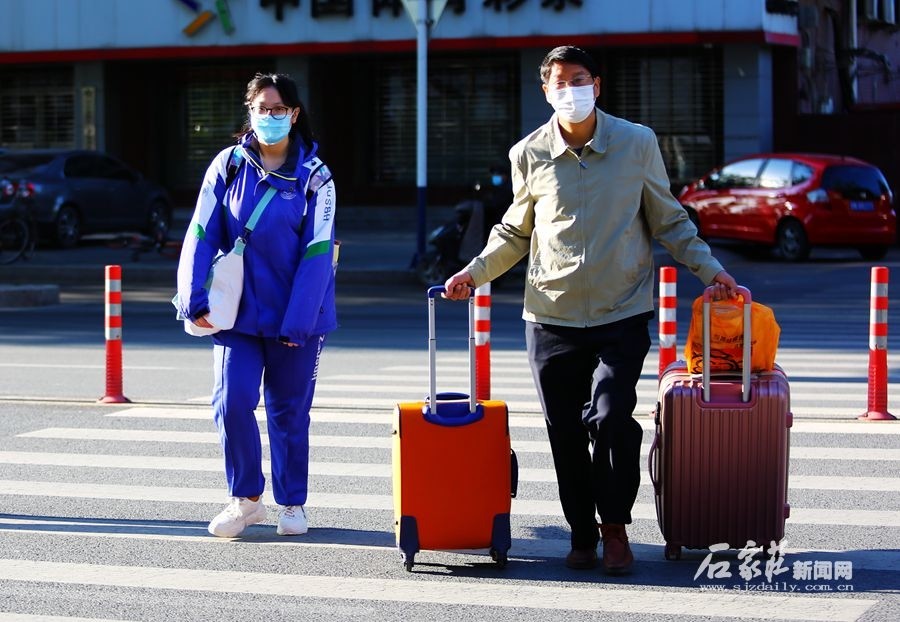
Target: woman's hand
{"type": "Point", "coordinates": [202, 322]}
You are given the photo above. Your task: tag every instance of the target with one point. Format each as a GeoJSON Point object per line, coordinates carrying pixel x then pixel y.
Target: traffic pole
{"type": "Point", "coordinates": [113, 337]}
{"type": "Point", "coordinates": [668, 327]}
{"type": "Point", "coordinates": [878, 369]}
{"type": "Point", "coordinates": [483, 342]}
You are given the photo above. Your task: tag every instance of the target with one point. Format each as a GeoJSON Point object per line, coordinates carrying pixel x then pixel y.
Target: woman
{"type": "Point", "coordinates": [287, 305]}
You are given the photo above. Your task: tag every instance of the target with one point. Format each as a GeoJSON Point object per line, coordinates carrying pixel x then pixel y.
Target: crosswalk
{"type": "Point", "coordinates": [135, 485]}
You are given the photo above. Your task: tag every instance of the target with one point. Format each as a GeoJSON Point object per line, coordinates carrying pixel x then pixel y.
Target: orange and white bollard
{"type": "Point", "coordinates": [878, 369]}
{"type": "Point", "coordinates": [114, 337]}
{"type": "Point", "coordinates": [668, 327]}
{"type": "Point", "coordinates": [483, 342]}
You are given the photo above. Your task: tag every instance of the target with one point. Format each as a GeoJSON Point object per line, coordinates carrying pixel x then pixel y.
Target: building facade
{"type": "Point", "coordinates": [160, 82]}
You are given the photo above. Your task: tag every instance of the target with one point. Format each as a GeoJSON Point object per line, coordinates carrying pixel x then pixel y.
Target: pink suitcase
{"type": "Point", "coordinates": [719, 460]}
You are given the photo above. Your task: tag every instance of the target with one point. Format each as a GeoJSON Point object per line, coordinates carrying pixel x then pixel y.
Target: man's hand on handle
{"type": "Point", "coordinates": [458, 285]}
{"type": "Point", "coordinates": [726, 286]}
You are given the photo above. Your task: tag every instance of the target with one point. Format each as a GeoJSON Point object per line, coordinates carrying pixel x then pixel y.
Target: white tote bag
{"type": "Point", "coordinates": [225, 282]}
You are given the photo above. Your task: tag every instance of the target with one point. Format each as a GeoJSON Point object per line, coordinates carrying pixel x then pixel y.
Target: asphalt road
{"type": "Point", "coordinates": [106, 505]}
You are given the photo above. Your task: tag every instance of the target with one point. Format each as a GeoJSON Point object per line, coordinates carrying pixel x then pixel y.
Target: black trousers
{"type": "Point", "coordinates": [586, 380]}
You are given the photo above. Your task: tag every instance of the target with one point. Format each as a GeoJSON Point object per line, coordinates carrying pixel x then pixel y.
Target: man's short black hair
{"type": "Point", "coordinates": [568, 54]}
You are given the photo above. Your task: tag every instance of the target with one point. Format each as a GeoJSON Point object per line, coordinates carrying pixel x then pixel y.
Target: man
{"type": "Point", "coordinates": [590, 194]}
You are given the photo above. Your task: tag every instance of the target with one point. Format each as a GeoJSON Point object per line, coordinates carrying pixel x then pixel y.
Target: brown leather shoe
{"type": "Point", "coordinates": [582, 559]}
{"type": "Point", "coordinates": [617, 557]}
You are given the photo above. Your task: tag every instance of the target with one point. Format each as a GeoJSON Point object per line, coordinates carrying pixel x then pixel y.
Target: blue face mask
{"type": "Point", "coordinates": [268, 130]}
{"type": "Point", "coordinates": [496, 180]}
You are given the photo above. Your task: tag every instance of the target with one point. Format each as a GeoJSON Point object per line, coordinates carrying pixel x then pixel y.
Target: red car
{"type": "Point", "coordinates": [794, 201]}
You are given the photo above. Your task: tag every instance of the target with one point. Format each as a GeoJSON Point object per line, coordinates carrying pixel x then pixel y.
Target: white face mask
{"type": "Point", "coordinates": [573, 103]}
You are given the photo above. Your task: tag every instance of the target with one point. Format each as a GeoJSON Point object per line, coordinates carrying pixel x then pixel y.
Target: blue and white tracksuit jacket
{"type": "Point", "coordinates": [288, 296]}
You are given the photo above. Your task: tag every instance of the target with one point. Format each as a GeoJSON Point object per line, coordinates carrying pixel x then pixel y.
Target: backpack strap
{"type": "Point", "coordinates": [234, 163]}
{"type": "Point", "coordinates": [235, 160]}
{"type": "Point", "coordinates": [319, 175]}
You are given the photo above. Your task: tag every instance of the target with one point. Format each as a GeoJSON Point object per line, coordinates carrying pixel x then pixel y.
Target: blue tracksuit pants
{"type": "Point", "coordinates": [288, 376]}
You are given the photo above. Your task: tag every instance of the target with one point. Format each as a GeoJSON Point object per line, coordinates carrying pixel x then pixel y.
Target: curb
{"type": "Point", "coordinates": [31, 286]}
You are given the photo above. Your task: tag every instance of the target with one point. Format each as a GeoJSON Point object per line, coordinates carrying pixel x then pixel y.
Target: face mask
{"type": "Point", "coordinates": [496, 180]}
{"type": "Point", "coordinates": [574, 103]}
{"type": "Point", "coordinates": [268, 130]}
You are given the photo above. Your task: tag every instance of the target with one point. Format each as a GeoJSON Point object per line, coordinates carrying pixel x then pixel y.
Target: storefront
{"type": "Point", "coordinates": [160, 83]}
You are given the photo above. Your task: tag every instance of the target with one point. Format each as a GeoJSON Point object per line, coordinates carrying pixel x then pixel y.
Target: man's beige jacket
{"type": "Point", "coordinates": [587, 224]}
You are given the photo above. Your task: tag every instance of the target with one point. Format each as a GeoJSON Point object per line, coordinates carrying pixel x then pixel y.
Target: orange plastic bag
{"type": "Point", "coordinates": [726, 321]}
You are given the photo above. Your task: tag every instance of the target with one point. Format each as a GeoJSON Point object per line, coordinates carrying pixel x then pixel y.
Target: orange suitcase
{"type": "Point", "coordinates": [453, 468]}
{"type": "Point", "coordinates": [719, 460]}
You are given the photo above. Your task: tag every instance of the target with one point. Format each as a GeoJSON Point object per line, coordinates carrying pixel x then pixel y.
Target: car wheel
{"type": "Point", "coordinates": [67, 227]}
{"type": "Point", "coordinates": [791, 242]}
{"type": "Point", "coordinates": [159, 220]}
{"type": "Point", "coordinates": [873, 253]}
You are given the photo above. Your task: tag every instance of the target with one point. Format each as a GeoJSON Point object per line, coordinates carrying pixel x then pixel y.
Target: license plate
{"type": "Point", "coordinates": [862, 206]}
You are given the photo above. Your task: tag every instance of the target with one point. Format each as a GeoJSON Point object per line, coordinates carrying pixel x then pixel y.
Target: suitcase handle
{"type": "Point", "coordinates": [745, 372]}
{"type": "Point", "coordinates": [432, 403]}
{"type": "Point", "coordinates": [651, 463]}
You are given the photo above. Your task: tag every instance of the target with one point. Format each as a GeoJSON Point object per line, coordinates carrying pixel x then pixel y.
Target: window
{"type": "Point", "coordinates": [855, 182]}
{"type": "Point", "coordinates": [37, 108]}
{"type": "Point", "coordinates": [678, 94]}
{"type": "Point", "coordinates": [79, 166]}
{"type": "Point", "coordinates": [738, 174]}
{"type": "Point", "coordinates": [801, 173]}
{"type": "Point", "coordinates": [472, 119]}
{"type": "Point", "coordinates": [776, 174]}
{"type": "Point", "coordinates": [211, 111]}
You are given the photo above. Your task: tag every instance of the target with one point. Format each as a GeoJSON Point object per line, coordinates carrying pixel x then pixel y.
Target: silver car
{"type": "Point", "coordinates": [70, 193]}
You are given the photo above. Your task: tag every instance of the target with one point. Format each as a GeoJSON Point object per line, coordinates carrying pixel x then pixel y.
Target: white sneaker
{"type": "Point", "coordinates": [239, 513]}
{"type": "Point", "coordinates": [292, 521]}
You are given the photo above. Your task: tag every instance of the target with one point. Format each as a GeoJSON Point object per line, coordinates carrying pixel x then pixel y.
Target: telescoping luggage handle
{"type": "Point", "coordinates": [745, 373]}
{"type": "Point", "coordinates": [431, 408]}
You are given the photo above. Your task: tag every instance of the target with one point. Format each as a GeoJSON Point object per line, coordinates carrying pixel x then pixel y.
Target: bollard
{"type": "Point", "coordinates": [878, 369]}
{"type": "Point", "coordinates": [483, 342]}
{"type": "Point", "coordinates": [668, 327]}
{"type": "Point", "coordinates": [113, 337]}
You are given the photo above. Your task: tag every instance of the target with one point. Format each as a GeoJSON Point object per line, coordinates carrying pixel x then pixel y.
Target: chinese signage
{"type": "Point", "coordinates": [345, 8]}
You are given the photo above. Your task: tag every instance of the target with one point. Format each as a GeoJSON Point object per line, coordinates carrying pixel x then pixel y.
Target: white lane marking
{"type": "Point", "coordinates": [326, 537]}
{"type": "Point", "coordinates": [524, 507]}
{"type": "Point", "coordinates": [365, 469]}
{"type": "Point", "coordinates": [385, 442]}
{"type": "Point", "coordinates": [479, 594]}
{"type": "Point", "coordinates": [169, 436]}
{"type": "Point", "coordinates": [27, 617]}
{"type": "Point", "coordinates": [385, 416]}
{"type": "Point", "coordinates": [82, 366]}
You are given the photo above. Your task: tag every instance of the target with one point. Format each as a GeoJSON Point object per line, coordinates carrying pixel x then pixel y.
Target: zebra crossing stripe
{"type": "Point", "coordinates": [333, 538]}
{"type": "Point", "coordinates": [371, 469]}
{"type": "Point", "coordinates": [384, 442]}
{"type": "Point", "coordinates": [25, 617]}
{"type": "Point", "coordinates": [461, 593]}
{"type": "Point", "coordinates": [645, 404]}
{"type": "Point", "coordinates": [385, 417]}
{"type": "Point", "coordinates": [522, 507]}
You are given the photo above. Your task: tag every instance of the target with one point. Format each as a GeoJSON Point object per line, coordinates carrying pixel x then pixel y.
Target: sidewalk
{"type": "Point", "coordinates": [371, 252]}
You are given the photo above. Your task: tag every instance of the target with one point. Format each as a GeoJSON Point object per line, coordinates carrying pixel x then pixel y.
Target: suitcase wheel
{"type": "Point", "coordinates": [408, 562]}
{"type": "Point", "coordinates": [673, 551]}
{"type": "Point", "coordinates": [499, 557]}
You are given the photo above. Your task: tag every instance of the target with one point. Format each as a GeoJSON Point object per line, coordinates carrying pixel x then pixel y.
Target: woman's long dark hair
{"type": "Point", "coordinates": [287, 88]}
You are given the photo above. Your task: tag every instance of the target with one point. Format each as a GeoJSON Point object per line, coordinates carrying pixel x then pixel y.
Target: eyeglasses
{"type": "Point", "coordinates": [579, 80]}
{"type": "Point", "coordinates": [278, 112]}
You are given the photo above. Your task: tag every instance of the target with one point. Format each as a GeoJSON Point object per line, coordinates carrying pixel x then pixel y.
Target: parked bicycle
{"type": "Point", "coordinates": [17, 235]}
